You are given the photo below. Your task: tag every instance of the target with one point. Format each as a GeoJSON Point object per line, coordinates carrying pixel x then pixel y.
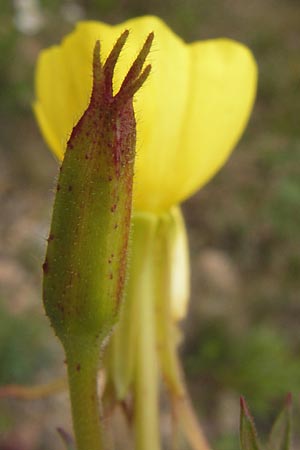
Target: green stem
{"type": "Point", "coordinates": [146, 385]}
{"type": "Point", "coordinates": [83, 362]}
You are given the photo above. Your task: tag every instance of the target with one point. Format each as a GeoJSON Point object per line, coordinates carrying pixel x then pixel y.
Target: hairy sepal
{"type": "Point", "coordinates": [85, 265]}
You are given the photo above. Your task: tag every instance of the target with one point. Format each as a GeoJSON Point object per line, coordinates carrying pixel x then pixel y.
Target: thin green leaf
{"type": "Point", "coordinates": [248, 435]}
{"type": "Point", "coordinates": [280, 436]}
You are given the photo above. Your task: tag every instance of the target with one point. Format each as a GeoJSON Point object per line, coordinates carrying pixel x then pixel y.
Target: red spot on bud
{"type": "Point", "coordinates": [45, 267]}
{"type": "Point", "coordinates": [288, 400]}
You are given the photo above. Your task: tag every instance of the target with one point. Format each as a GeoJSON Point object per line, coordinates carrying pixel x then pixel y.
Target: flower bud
{"type": "Point", "coordinates": [85, 265]}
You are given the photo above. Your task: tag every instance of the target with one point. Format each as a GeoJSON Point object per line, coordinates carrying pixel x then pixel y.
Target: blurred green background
{"type": "Point", "coordinates": [242, 331]}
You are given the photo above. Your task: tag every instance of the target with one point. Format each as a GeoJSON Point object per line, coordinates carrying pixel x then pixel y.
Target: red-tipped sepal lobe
{"type": "Point", "coordinates": [85, 266]}
{"type": "Point", "coordinates": [248, 434]}
{"type": "Point", "coordinates": [280, 435]}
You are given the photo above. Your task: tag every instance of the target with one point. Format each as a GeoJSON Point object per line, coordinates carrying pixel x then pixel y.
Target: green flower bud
{"type": "Point", "coordinates": [85, 266]}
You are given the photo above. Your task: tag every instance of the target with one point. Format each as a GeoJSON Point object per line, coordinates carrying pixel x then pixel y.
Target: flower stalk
{"type": "Point", "coordinates": [146, 385]}
{"type": "Point", "coordinates": [85, 265]}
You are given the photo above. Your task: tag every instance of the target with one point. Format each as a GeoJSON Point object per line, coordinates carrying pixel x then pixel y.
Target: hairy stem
{"type": "Point", "coordinates": [83, 361]}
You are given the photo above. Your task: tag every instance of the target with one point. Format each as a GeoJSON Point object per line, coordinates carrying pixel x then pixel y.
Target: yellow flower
{"type": "Point", "coordinates": [190, 113]}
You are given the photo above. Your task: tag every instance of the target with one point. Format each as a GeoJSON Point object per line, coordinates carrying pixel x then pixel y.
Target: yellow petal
{"type": "Point", "coordinates": [200, 114]}
{"type": "Point", "coordinates": [190, 113]}
{"type": "Point", "coordinates": [223, 78]}
{"type": "Point", "coordinates": [63, 86]}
